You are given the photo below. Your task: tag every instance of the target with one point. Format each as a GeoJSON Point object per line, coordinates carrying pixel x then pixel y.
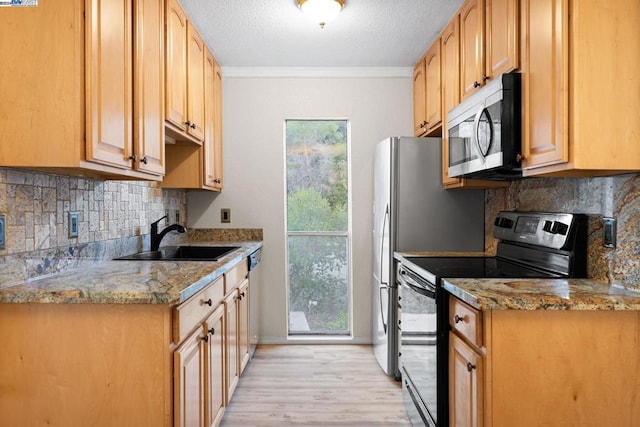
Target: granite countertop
{"type": "Point", "coordinates": [543, 294]}
{"type": "Point", "coordinates": [129, 282]}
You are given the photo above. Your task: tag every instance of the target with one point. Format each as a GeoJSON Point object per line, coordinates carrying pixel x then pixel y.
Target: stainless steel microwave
{"type": "Point", "coordinates": [484, 132]}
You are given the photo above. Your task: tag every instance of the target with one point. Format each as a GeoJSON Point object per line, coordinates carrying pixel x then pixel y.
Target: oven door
{"type": "Point", "coordinates": [424, 386]}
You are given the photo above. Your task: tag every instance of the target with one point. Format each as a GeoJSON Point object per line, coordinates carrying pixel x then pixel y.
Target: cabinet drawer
{"type": "Point", "coordinates": [187, 315]}
{"type": "Point", "coordinates": [466, 320]}
{"type": "Point", "coordinates": [234, 276]}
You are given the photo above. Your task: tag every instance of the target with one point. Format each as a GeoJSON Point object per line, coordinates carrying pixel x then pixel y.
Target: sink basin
{"type": "Point", "coordinates": [183, 253]}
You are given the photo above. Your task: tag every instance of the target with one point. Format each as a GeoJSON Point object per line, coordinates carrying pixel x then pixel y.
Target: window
{"type": "Point", "coordinates": [318, 239]}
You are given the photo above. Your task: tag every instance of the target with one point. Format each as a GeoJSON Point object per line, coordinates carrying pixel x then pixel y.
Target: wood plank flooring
{"type": "Point", "coordinates": [315, 385]}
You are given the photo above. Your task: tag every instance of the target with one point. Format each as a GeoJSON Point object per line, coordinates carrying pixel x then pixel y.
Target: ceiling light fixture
{"type": "Point", "coordinates": [321, 11]}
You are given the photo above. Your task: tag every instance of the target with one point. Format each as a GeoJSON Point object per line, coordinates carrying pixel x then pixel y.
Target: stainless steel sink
{"type": "Point", "coordinates": [182, 253]}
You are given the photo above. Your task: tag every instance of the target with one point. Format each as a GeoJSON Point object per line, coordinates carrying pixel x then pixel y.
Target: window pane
{"type": "Point", "coordinates": [316, 175]}
{"type": "Point", "coordinates": [318, 285]}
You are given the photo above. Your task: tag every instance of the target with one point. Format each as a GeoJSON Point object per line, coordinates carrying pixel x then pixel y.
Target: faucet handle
{"type": "Point", "coordinates": [156, 222]}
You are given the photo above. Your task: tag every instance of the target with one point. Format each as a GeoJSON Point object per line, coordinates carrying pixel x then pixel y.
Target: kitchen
{"type": "Point", "coordinates": [128, 208]}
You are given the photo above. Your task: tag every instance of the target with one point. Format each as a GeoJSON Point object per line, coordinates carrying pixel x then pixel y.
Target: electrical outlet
{"type": "Point", "coordinates": [2, 232]}
{"type": "Point", "coordinates": [177, 216]}
{"type": "Point", "coordinates": [609, 231]}
{"type": "Point", "coordinates": [73, 224]}
{"type": "Point", "coordinates": [225, 215]}
{"type": "Point", "coordinates": [166, 213]}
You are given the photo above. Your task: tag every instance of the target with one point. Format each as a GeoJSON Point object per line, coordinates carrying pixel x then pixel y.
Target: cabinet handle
{"type": "Point", "coordinates": [205, 338]}
{"type": "Point", "coordinates": [476, 84]}
{"type": "Point", "coordinates": [217, 180]}
{"type": "Point", "coordinates": [485, 77]}
{"type": "Point", "coordinates": [188, 123]}
{"type": "Point", "coordinates": [458, 319]}
{"type": "Point", "coordinates": [208, 302]}
{"type": "Point", "coordinates": [192, 125]}
{"type": "Point", "coordinates": [134, 158]}
{"type": "Point", "coordinates": [144, 160]}
{"type": "Point", "coordinates": [242, 295]}
{"type": "Point", "coordinates": [212, 331]}
{"type": "Point", "coordinates": [470, 367]}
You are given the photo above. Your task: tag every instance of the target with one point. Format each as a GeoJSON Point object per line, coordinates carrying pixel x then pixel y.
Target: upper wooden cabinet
{"type": "Point", "coordinates": [581, 89]}
{"type": "Point", "coordinates": [489, 35]}
{"type": "Point", "coordinates": [419, 111]}
{"type": "Point", "coordinates": [427, 101]}
{"type": "Point", "coordinates": [184, 77]}
{"type": "Point", "coordinates": [72, 94]}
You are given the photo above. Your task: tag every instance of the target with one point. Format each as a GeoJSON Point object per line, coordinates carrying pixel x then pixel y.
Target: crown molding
{"type": "Point", "coordinates": [311, 72]}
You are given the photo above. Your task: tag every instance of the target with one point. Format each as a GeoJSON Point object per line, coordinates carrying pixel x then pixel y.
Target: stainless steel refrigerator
{"type": "Point", "coordinates": [412, 212]}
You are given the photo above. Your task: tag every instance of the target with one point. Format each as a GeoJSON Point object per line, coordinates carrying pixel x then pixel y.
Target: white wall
{"type": "Point", "coordinates": [254, 181]}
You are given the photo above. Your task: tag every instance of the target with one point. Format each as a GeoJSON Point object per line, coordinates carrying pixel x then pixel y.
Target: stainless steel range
{"type": "Point", "coordinates": [532, 244]}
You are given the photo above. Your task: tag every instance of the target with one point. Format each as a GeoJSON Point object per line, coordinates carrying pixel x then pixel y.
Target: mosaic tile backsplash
{"type": "Point", "coordinates": [113, 219]}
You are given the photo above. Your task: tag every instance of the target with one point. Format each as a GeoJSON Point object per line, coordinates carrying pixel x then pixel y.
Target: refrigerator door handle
{"type": "Point", "coordinates": [384, 226]}
{"type": "Point", "coordinates": [382, 316]}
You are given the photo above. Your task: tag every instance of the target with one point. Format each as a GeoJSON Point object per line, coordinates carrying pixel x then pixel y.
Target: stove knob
{"type": "Point", "coordinates": [559, 228]}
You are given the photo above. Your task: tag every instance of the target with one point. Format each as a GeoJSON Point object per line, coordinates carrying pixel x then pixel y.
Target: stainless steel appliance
{"type": "Point", "coordinates": [254, 300]}
{"type": "Point", "coordinates": [532, 244]}
{"type": "Point", "coordinates": [413, 213]}
{"type": "Point", "coordinates": [484, 132]}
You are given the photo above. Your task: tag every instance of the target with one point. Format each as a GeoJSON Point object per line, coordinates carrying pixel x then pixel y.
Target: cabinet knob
{"type": "Point", "coordinates": [485, 77]}
{"type": "Point", "coordinates": [476, 84]}
{"type": "Point", "coordinates": [205, 338]}
{"type": "Point", "coordinates": [212, 331]}
{"type": "Point", "coordinates": [192, 125]}
{"type": "Point", "coordinates": [134, 158]}
{"type": "Point", "coordinates": [470, 367]}
{"type": "Point", "coordinates": [242, 295]}
{"type": "Point", "coordinates": [208, 302]}
{"type": "Point", "coordinates": [144, 160]}
{"type": "Point", "coordinates": [458, 319]}
{"type": "Point", "coordinates": [188, 123]}
{"type": "Point", "coordinates": [519, 158]}
{"type": "Point", "coordinates": [217, 180]}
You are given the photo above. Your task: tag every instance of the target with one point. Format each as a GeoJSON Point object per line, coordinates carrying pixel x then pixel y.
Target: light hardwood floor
{"type": "Point", "coordinates": [315, 385]}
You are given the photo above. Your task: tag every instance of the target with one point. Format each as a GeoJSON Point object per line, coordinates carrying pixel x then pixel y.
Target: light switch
{"type": "Point", "coordinates": [225, 215]}
{"type": "Point", "coordinates": [609, 232]}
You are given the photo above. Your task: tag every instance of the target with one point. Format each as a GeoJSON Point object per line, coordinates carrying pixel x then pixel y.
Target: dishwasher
{"type": "Point", "coordinates": [254, 301]}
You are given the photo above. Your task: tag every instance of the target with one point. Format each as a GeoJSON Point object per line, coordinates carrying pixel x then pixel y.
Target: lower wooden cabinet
{"type": "Point", "coordinates": [543, 367]}
{"type": "Point", "coordinates": [125, 364]}
{"type": "Point", "coordinates": [465, 384]}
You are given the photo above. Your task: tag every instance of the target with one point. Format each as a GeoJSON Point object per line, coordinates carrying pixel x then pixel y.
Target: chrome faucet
{"type": "Point", "coordinates": [156, 237]}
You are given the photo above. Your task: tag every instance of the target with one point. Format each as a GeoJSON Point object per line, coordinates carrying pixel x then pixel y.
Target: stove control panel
{"type": "Point", "coordinates": [550, 230]}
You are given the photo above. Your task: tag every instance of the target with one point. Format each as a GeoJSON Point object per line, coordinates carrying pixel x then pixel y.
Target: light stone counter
{"type": "Point", "coordinates": [129, 282]}
{"type": "Point", "coordinates": [543, 294]}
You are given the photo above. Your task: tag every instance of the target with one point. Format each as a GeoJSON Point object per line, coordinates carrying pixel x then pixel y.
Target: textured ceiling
{"type": "Point", "coordinates": [275, 33]}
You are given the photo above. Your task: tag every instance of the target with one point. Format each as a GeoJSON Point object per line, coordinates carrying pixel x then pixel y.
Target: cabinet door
{"type": "Point", "coordinates": [502, 25]}
{"type": "Point", "coordinates": [215, 385]}
{"type": "Point", "coordinates": [109, 82]}
{"type": "Point", "coordinates": [419, 106]}
{"type": "Point", "coordinates": [471, 47]}
{"type": "Point", "coordinates": [545, 82]}
{"type": "Point", "coordinates": [176, 65]}
{"type": "Point", "coordinates": [231, 335]}
{"type": "Point", "coordinates": [217, 93]}
{"type": "Point", "coordinates": [450, 52]}
{"type": "Point", "coordinates": [195, 82]}
{"type": "Point", "coordinates": [243, 324]}
{"type": "Point", "coordinates": [433, 100]}
{"type": "Point", "coordinates": [465, 384]}
{"type": "Point", "coordinates": [189, 374]}
{"type": "Point", "coordinates": [149, 87]}
{"type": "Point", "coordinates": [208, 147]}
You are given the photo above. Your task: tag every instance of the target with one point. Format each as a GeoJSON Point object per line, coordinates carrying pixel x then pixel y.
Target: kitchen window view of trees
{"type": "Point", "coordinates": [318, 227]}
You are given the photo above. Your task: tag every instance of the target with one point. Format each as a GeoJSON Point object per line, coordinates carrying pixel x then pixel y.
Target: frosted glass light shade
{"type": "Point", "coordinates": [321, 11]}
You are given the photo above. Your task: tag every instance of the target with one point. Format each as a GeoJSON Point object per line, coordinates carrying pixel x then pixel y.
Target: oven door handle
{"type": "Point", "coordinates": [474, 134]}
{"type": "Point", "coordinates": [422, 291]}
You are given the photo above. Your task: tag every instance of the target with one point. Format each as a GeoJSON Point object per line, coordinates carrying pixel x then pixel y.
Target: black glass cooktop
{"type": "Point", "coordinates": [474, 267]}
